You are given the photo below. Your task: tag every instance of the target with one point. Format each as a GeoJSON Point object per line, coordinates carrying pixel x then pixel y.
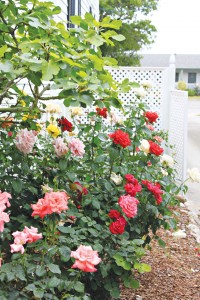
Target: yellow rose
{"type": "Point", "coordinates": [53, 130]}
{"type": "Point", "coordinates": [26, 117]}
{"type": "Point", "coordinates": [22, 102]}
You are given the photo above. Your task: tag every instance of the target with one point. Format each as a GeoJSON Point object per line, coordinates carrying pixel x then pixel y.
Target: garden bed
{"type": "Point", "coordinates": [175, 271]}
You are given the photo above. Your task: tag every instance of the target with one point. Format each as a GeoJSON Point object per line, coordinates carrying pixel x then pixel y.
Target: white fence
{"type": "Point", "coordinates": [170, 104]}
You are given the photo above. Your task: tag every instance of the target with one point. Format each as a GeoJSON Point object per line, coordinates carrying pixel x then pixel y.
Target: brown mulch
{"type": "Point", "coordinates": [175, 273]}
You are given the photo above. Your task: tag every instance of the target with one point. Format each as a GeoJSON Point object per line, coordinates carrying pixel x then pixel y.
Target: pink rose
{"type": "Point", "coordinates": [128, 205]}
{"type": "Point", "coordinates": [4, 218]}
{"type": "Point", "coordinates": [53, 202]}
{"type": "Point", "coordinates": [17, 248]}
{"type": "Point", "coordinates": [32, 234]}
{"type": "Point", "coordinates": [76, 147]}
{"type": "Point", "coordinates": [25, 140]}
{"type": "Point", "coordinates": [1, 261]}
{"type": "Point", "coordinates": [86, 258]}
{"type": "Point", "coordinates": [60, 147]}
{"type": "Point", "coordinates": [4, 200]}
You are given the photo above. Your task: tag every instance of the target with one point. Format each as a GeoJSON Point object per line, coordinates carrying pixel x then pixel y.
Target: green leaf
{"type": "Point", "coordinates": [39, 293]}
{"type": "Point", "coordinates": [120, 261]}
{"type": "Point", "coordinates": [65, 253]}
{"type": "Point", "coordinates": [76, 20]}
{"type": "Point", "coordinates": [142, 267]}
{"type": "Point", "coordinates": [131, 283]}
{"type": "Point", "coordinates": [54, 268]}
{"type": "Point", "coordinates": [17, 185]}
{"type": "Point", "coordinates": [68, 230]}
{"type": "Point", "coordinates": [30, 287]}
{"type": "Point", "coordinates": [53, 282]}
{"type": "Point", "coordinates": [63, 164]}
{"type": "Point", "coordinates": [96, 204]}
{"type": "Point", "coordinates": [115, 292]}
{"type": "Point", "coordinates": [3, 49]}
{"type": "Point", "coordinates": [49, 69]}
{"type": "Point", "coordinates": [79, 287]}
{"type": "Point", "coordinates": [40, 271]}
{"type": "Point", "coordinates": [118, 37]}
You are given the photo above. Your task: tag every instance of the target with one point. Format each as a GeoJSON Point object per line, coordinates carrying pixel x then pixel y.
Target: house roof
{"type": "Point", "coordinates": [182, 61]}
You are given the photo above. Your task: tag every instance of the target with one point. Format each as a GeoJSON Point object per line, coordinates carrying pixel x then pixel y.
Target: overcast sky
{"type": "Point", "coordinates": [178, 27]}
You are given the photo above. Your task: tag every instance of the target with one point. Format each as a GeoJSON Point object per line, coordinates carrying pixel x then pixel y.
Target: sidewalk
{"type": "Point", "coordinates": [193, 161]}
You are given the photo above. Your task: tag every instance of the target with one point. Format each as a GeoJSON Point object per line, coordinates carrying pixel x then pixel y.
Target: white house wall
{"type": "Point", "coordinates": [86, 6]}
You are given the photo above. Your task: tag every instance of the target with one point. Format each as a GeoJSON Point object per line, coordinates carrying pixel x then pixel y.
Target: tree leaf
{"type": "Point", "coordinates": [118, 37]}
{"type": "Point", "coordinates": [49, 69]}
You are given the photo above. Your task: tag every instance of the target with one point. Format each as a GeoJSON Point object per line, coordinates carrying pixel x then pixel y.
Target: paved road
{"type": "Point", "coordinates": [193, 158]}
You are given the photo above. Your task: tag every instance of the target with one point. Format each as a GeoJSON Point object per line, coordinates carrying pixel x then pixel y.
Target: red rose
{"type": "Point", "coordinates": [102, 112]}
{"type": "Point", "coordinates": [155, 148]}
{"type": "Point", "coordinates": [154, 189]}
{"type": "Point", "coordinates": [118, 226]}
{"type": "Point", "coordinates": [132, 189]}
{"type": "Point", "coordinates": [81, 188]}
{"type": "Point", "coordinates": [114, 214]}
{"type": "Point", "coordinates": [151, 116]}
{"type": "Point", "coordinates": [130, 178]}
{"type": "Point", "coordinates": [65, 124]}
{"type": "Point", "coordinates": [120, 137]}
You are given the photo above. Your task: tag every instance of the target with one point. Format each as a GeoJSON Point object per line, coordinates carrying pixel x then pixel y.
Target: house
{"type": "Point", "coordinates": [187, 66]}
{"type": "Point", "coordinates": [77, 8]}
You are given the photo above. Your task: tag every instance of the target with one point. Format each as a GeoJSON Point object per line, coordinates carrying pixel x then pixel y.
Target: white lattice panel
{"type": "Point", "coordinates": [178, 129]}
{"type": "Point", "coordinates": [155, 95]}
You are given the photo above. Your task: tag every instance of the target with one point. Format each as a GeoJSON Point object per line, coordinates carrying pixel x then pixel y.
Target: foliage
{"type": "Point", "coordinates": [38, 158]}
{"type": "Point", "coordinates": [137, 29]}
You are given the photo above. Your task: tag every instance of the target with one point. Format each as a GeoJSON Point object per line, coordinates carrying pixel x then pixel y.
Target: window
{"type": "Point", "coordinates": [79, 7]}
{"type": "Point", "coordinates": [192, 77]}
{"type": "Point", "coordinates": [70, 12]}
{"type": "Point", "coordinates": [177, 77]}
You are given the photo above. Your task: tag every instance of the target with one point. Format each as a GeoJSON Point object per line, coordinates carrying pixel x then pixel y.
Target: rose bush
{"type": "Point", "coordinates": [80, 200]}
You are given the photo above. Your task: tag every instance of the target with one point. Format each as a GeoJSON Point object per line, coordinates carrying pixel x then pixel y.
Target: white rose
{"type": "Point", "coordinates": [53, 108]}
{"type": "Point", "coordinates": [76, 111]}
{"type": "Point", "coordinates": [140, 92]}
{"type": "Point", "coordinates": [179, 234]}
{"type": "Point", "coordinates": [164, 172]}
{"type": "Point", "coordinates": [147, 84]}
{"type": "Point", "coordinates": [194, 175]}
{"type": "Point", "coordinates": [167, 161]}
{"type": "Point", "coordinates": [144, 146]}
{"type": "Point", "coordinates": [117, 179]}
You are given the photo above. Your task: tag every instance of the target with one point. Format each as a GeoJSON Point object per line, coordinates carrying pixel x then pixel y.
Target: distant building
{"type": "Point", "coordinates": [77, 8]}
{"type": "Point", "coordinates": [187, 66]}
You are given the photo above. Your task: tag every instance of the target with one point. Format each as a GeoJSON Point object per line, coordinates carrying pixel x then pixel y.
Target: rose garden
{"type": "Point", "coordinates": [80, 201]}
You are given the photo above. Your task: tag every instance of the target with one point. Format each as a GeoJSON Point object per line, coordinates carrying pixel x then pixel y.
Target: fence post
{"type": "Point", "coordinates": [168, 87]}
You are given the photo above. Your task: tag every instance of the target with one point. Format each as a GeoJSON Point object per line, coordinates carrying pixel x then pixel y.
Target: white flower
{"type": "Point", "coordinates": [76, 111]}
{"type": "Point", "coordinates": [144, 146]}
{"type": "Point", "coordinates": [179, 234]}
{"type": "Point", "coordinates": [194, 175]}
{"type": "Point", "coordinates": [167, 161]}
{"type": "Point", "coordinates": [117, 179]}
{"type": "Point", "coordinates": [53, 108]}
{"type": "Point", "coordinates": [164, 172]}
{"type": "Point", "coordinates": [140, 92]}
{"type": "Point", "coordinates": [147, 84]}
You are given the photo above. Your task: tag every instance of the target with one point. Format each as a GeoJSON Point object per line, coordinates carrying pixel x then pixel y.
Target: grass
{"type": "Point", "coordinates": [194, 97]}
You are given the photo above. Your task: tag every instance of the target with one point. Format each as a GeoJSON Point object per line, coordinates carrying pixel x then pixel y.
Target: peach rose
{"type": "Point", "coordinates": [86, 258]}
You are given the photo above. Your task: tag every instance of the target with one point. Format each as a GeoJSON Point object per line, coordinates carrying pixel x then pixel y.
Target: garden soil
{"type": "Point", "coordinates": [175, 273]}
